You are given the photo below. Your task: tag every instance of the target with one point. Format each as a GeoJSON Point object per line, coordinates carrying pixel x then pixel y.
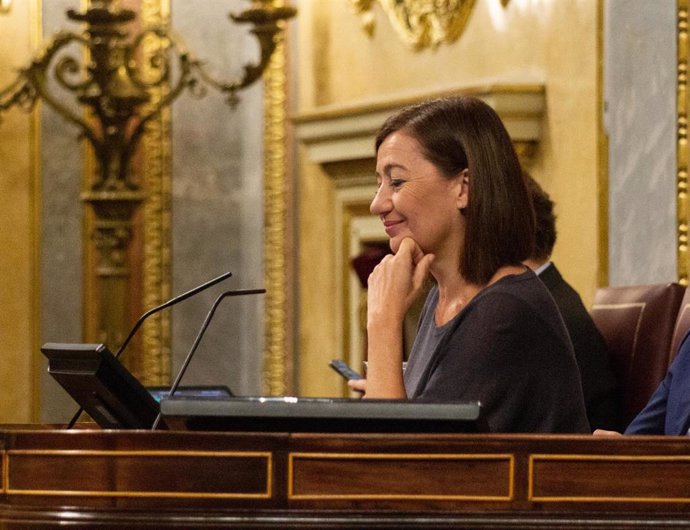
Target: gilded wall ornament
{"type": "Point", "coordinates": [420, 23]}
{"type": "Point", "coordinates": [125, 86]}
{"type": "Point", "coordinates": [682, 156]}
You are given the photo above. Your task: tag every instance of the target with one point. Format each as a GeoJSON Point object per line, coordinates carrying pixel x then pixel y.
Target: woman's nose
{"type": "Point", "coordinates": [381, 202]}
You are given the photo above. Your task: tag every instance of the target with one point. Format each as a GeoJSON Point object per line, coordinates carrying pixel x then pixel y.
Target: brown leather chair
{"type": "Point", "coordinates": [638, 323]}
{"type": "Point", "coordinates": [682, 326]}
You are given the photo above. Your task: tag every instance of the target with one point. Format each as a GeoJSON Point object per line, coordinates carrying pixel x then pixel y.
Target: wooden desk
{"type": "Point", "coordinates": [143, 479]}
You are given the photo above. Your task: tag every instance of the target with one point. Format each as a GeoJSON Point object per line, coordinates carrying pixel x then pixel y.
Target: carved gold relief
{"type": "Point", "coordinates": [277, 352]}
{"type": "Point", "coordinates": [420, 23]}
{"type": "Point", "coordinates": [157, 177]}
{"type": "Point", "coordinates": [682, 142]}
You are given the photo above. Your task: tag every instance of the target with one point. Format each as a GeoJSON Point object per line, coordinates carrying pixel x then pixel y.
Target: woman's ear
{"type": "Point", "coordinates": [464, 189]}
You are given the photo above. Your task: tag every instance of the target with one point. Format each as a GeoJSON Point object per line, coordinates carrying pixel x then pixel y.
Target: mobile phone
{"type": "Point", "coordinates": [344, 369]}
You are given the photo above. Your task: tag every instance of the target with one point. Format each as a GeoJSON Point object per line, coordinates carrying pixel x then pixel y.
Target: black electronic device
{"type": "Point", "coordinates": [104, 388]}
{"type": "Point", "coordinates": [147, 314]}
{"type": "Point", "coordinates": [302, 414]}
{"type": "Point", "coordinates": [197, 391]}
{"type": "Point", "coordinates": [116, 400]}
{"type": "Point", "coordinates": [344, 369]}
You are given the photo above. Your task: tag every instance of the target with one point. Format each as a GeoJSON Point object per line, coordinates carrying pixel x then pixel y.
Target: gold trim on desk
{"type": "Point", "coordinates": [267, 494]}
{"type": "Point", "coordinates": [425, 457]}
{"type": "Point", "coordinates": [5, 475]}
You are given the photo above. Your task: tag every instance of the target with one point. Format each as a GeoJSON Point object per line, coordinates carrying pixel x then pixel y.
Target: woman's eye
{"type": "Point", "coordinates": [396, 183]}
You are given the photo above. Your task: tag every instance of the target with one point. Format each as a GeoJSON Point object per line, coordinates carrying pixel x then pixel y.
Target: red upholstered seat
{"type": "Point", "coordinates": [638, 324]}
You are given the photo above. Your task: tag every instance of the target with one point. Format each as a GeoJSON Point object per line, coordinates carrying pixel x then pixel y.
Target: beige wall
{"type": "Point", "coordinates": [336, 63]}
{"type": "Point", "coordinates": [18, 228]}
{"type": "Point", "coordinates": [554, 43]}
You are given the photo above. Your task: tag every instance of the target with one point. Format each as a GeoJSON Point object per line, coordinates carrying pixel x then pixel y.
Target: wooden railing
{"type": "Point", "coordinates": [136, 479]}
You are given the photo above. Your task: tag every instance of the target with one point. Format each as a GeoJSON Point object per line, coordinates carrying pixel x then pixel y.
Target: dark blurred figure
{"type": "Point", "coordinates": [598, 380]}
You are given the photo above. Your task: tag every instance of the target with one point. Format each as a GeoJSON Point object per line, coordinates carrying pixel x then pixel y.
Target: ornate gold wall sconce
{"type": "Point", "coordinates": [111, 86]}
{"type": "Point", "coordinates": [103, 82]}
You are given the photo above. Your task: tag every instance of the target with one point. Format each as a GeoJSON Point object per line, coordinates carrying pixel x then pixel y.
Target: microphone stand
{"type": "Point", "coordinates": [150, 312]}
{"type": "Point", "coordinates": [170, 302]}
{"type": "Point", "coordinates": [197, 340]}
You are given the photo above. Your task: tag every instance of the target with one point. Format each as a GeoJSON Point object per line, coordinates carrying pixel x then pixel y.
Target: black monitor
{"type": "Point", "coordinates": [97, 381]}
{"type": "Point", "coordinates": [293, 414]}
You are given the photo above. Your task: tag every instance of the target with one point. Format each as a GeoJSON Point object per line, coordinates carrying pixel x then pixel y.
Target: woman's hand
{"type": "Point", "coordinates": [393, 286]}
{"type": "Point", "coordinates": [604, 432]}
{"type": "Point", "coordinates": [396, 282]}
{"type": "Point", "coordinates": [357, 385]}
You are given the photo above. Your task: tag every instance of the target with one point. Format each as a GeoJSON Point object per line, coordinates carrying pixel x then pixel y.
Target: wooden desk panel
{"type": "Point", "coordinates": [83, 473]}
{"type": "Point", "coordinates": [324, 476]}
{"type": "Point", "coordinates": [197, 480]}
{"type": "Point", "coordinates": [610, 478]}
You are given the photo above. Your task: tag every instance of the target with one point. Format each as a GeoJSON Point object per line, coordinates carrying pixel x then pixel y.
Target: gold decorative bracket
{"type": "Point", "coordinates": [420, 23]}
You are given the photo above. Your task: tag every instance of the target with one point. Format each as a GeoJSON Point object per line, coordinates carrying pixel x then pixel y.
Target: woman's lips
{"type": "Point", "coordinates": [391, 227]}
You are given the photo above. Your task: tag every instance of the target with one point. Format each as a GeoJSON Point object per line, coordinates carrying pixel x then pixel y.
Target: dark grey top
{"type": "Point", "coordinates": [599, 384]}
{"type": "Point", "coordinates": [507, 348]}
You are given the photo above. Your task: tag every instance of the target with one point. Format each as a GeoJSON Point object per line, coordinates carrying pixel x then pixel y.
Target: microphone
{"type": "Point", "coordinates": [170, 302]}
{"type": "Point", "coordinates": [142, 318]}
{"type": "Point", "coordinates": [197, 340]}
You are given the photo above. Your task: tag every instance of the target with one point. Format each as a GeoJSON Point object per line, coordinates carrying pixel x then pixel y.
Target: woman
{"type": "Point", "coordinates": [454, 204]}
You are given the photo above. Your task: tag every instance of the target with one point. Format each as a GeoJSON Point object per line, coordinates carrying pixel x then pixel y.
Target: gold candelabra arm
{"type": "Point", "coordinates": [19, 93]}
{"type": "Point", "coordinates": [32, 83]}
{"type": "Point", "coordinates": [267, 20]}
{"type": "Point", "coordinates": [37, 75]}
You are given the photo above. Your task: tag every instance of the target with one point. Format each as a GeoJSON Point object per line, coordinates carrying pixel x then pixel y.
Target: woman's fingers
{"type": "Point", "coordinates": [603, 432]}
{"type": "Point", "coordinates": [358, 385]}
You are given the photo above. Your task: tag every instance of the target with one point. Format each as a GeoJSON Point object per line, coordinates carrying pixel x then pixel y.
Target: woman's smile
{"type": "Point", "coordinates": [392, 227]}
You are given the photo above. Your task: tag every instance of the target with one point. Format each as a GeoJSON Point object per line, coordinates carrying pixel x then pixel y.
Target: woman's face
{"type": "Point", "coordinates": [415, 200]}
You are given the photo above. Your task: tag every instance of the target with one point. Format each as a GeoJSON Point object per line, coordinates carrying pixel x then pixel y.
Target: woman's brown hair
{"type": "Point", "coordinates": [464, 132]}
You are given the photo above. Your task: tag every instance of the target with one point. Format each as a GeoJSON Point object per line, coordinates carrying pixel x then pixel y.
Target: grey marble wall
{"type": "Point", "coordinates": [217, 204]}
{"type": "Point", "coordinates": [61, 230]}
{"type": "Point", "coordinates": [640, 118]}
